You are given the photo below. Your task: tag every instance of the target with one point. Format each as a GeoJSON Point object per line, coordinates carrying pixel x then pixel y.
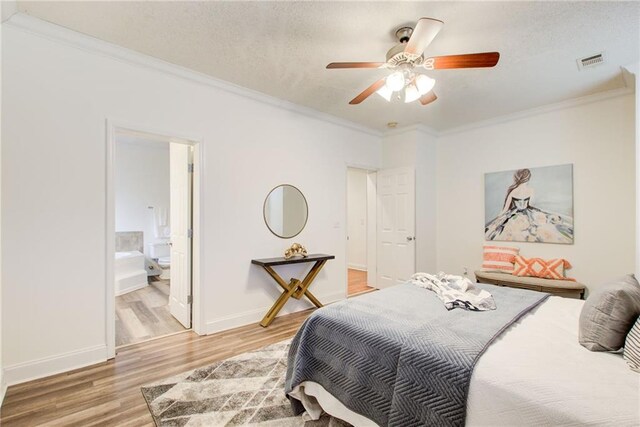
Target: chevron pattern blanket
{"type": "Point", "coordinates": [398, 356]}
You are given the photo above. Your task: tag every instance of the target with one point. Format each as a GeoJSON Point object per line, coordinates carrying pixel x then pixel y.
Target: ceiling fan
{"type": "Point", "coordinates": [407, 56]}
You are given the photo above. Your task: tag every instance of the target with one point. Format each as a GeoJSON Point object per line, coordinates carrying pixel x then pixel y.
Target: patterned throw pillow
{"type": "Point", "coordinates": [499, 258]}
{"type": "Point", "coordinates": [538, 267]}
{"type": "Point", "coordinates": [632, 347]}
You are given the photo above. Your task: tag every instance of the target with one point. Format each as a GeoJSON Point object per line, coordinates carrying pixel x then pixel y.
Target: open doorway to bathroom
{"type": "Point", "coordinates": [153, 194]}
{"type": "Point", "coordinates": [361, 239]}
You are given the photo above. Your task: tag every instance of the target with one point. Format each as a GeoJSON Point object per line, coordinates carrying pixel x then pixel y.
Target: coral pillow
{"type": "Point", "coordinates": [499, 258]}
{"type": "Point", "coordinates": [538, 267]}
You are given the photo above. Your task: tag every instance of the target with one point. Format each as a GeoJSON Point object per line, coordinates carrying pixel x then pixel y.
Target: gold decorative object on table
{"type": "Point", "coordinates": [295, 250]}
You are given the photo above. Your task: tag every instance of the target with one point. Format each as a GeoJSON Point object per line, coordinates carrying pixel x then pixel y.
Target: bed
{"type": "Point", "coordinates": [533, 373]}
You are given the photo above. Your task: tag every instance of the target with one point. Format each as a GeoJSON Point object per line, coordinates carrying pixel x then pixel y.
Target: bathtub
{"type": "Point", "coordinates": [130, 273]}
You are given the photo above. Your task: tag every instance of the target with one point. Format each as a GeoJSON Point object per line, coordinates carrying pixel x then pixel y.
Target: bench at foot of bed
{"type": "Point", "coordinates": [563, 288]}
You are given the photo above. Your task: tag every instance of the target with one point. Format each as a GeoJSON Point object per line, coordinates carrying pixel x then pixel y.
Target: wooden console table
{"type": "Point", "coordinates": [295, 288]}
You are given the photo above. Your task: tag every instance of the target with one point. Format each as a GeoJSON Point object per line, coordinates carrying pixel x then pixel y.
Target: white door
{"type": "Point", "coordinates": [180, 193]}
{"type": "Point", "coordinates": [396, 226]}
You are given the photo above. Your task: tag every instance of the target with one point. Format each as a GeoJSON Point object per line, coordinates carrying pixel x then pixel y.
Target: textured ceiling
{"type": "Point", "coordinates": [281, 49]}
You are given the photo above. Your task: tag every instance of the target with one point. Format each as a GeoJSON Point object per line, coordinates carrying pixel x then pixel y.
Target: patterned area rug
{"type": "Point", "coordinates": [247, 389]}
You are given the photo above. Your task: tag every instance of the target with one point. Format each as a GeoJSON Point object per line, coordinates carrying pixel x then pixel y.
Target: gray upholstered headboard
{"type": "Point", "coordinates": [129, 241]}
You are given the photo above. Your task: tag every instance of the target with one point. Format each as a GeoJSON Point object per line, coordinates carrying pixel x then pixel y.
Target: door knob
{"type": "Point", "coordinates": [410, 238]}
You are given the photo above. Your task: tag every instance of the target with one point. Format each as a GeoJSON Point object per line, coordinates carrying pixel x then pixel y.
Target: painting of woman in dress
{"type": "Point", "coordinates": [530, 205]}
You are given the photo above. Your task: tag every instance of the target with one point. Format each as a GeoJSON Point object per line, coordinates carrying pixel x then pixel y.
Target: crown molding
{"type": "Point", "coordinates": [420, 128]}
{"type": "Point", "coordinates": [9, 8]}
{"type": "Point", "coordinates": [600, 96]}
{"type": "Point", "coordinates": [630, 74]}
{"type": "Point", "coordinates": [633, 68]}
{"type": "Point", "coordinates": [570, 103]}
{"type": "Point", "coordinates": [57, 33]}
{"type": "Point", "coordinates": [427, 130]}
{"type": "Point", "coordinates": [629, 78]}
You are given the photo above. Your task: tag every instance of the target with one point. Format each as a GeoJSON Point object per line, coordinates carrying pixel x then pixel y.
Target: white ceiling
{"type": "Point", "coordinates": [282, 48]}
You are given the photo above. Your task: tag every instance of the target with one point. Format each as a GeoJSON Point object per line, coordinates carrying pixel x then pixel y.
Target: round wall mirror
{"type": "Point", "coordinates": [285, 211]}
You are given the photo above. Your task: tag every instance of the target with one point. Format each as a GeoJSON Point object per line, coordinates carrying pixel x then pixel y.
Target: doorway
{"type": "Point", "coordinates": [395, 230]}
{"type": "Point", "coordinates": [153, 189]}
{"type": "Point", "coordinates": [361, 229]}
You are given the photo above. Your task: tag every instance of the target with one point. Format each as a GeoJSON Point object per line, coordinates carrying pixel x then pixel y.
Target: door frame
{"type": "Point", "coordinates": [113, 127]}
{"type": "Point", "coordinates": [372, 212]}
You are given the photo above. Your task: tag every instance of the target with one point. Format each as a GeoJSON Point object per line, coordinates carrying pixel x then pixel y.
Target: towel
{"type": "Point", "coordinates": [455, 291]}
{"type": "Point", "coordinates": [161, 217]}
{"type": "Point", "coordinates": [160, 222]}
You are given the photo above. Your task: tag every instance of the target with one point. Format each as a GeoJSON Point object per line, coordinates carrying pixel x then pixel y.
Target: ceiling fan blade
{"type": "Point", "coordinates": [424, 33]}
{"type": "Point", "coordinates": [428, 98]}
{"type": "Point", "coordinates": [471, 60]}
{"type": "Point", "coordinates": [355, 65]}
{"type": "Point", "coordinates": [367, 92]}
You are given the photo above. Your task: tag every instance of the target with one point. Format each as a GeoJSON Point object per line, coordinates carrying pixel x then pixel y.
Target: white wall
{"type": "Point", "coordinates": [417, 148]}
{"type": "Point", "coordinates": [372, 215]}
{"type": "Point", "coordinates": [634, 72]}
{"type": "Point", "coordinates": [4, 13]}
{"type": "Point", "coordinates": [56, 102]}
{"type": "Point", "coordinates": [141, 179]}
{"type": "Point", "coordinates": [598, 138]}
{"type": "Point", "coordinates": [637, 118]}
{"type": "Point", "coordinates": [357, 218]}
{"type": "Point", "coordinates": [57, 99]}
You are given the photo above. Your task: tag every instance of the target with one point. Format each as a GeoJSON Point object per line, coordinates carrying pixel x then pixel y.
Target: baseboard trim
{"type": "Point", "coordinates": [358, 267]}
{"type": "Point", "coordinates": [3, 386]}
{"type": "Point", "coordinates": [254, 316]}
{"type": "Point", "coordinates": [135, 288]}
{"type": "Point", "coordinates": [47, 366]}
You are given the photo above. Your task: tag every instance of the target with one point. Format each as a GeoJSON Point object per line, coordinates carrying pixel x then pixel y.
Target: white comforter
{"type": "Point", "coordinates": [535, 374]}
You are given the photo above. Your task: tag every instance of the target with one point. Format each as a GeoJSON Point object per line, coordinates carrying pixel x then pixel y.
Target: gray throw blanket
{"type": "Point", "coordinates": [398, 356]}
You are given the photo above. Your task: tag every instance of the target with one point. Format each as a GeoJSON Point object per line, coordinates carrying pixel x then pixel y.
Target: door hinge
{"type": "Point", "coordinates": [189, 299]}
{"type": "Point", "coordinates": [190, 168]}
{"type": "Point", "coordinates": [190, 233]}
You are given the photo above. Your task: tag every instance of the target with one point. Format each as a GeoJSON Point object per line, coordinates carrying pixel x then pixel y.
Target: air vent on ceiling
{"type": "Point", "coordinates": [590, 61]}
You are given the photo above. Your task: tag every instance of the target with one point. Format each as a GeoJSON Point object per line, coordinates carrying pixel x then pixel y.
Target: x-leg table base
{"type": "Point", "coordinates": [295, 288]}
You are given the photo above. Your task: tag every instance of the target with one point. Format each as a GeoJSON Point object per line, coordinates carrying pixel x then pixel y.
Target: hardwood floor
{"type": "Point", "coordinates": [108, 394]}
{"type": "Point", "coordinates": [144, 314]}
{"type": "Point", "coordinates": [357, 282]}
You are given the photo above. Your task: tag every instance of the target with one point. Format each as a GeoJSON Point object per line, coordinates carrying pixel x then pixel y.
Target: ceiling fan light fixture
{"type": "Point", "coordinates": [411, 93]}
{"type": "Point", "coordinates": [424, 83]}
{"type": "Point", "coordinates": [385, 92]}
{"type": "Point", "coordinates": [395, 81]}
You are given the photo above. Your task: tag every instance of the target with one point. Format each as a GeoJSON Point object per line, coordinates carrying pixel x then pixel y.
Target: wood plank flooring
{"type": "Point", "coordinates": [108, 394]}
{"type": "Point", "coordinates": [357, 282]}
{"type": "Point", "coordinates": [144, 314]}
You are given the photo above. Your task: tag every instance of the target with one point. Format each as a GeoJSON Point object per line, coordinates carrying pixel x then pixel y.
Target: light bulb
{"type": "Point", "coordinates": [385, 92]}
{"type": "Point", "coordinates": [395, 81]}
{"type": "Point", "coordinates": [424, 83]}
{"type": "Point", "coordinates": [411, 93]}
